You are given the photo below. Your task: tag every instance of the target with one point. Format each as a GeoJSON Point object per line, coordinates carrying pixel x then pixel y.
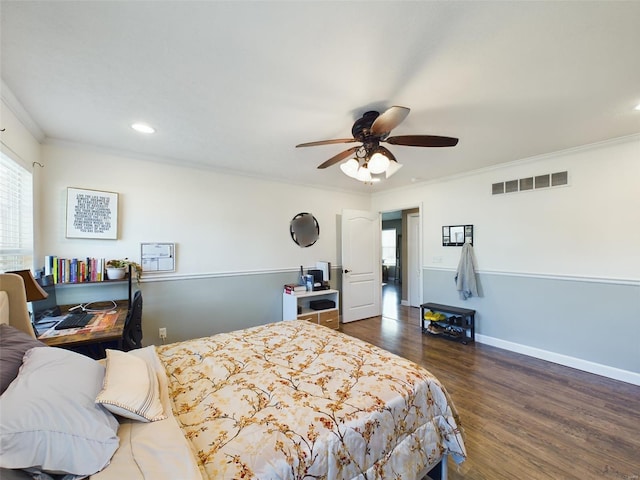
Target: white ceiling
{"type": "Point", "coordinates": [236, 85]}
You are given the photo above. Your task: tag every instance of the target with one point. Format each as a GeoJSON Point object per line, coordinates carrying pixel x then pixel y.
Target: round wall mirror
{"type": "Point", "coordinates": [304, 229]}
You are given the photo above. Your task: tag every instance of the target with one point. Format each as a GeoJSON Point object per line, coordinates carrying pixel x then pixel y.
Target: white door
{"type": "Point", "coordinates": [413, 260]}
{"type": "Point", "coordinates": [361, 265]}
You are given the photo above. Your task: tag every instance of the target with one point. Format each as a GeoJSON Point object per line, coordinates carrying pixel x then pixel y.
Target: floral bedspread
{"type": "Point", "coordinates": [294, 400]}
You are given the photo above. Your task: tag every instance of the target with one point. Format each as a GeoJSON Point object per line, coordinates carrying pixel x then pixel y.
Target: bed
{"type": "Point", "coordinates": [288, 400]}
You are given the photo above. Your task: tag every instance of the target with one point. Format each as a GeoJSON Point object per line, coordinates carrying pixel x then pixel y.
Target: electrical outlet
{"type": "Point", "coordinates": [163, 333]}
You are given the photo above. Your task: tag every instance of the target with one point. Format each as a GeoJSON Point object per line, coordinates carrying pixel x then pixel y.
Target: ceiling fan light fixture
{"type": "Point", "coordinates": [393, 168]}
{"type": "Point", "coordinates": [350, 167]}
{"type": "Point", "coordinates": [364, 175]}
{"type": "Point", "coordinates": [372, 160]}
{"type": "Point", "coordinates": [378, 163]}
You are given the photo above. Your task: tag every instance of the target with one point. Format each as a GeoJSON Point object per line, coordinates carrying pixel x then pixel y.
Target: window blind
{"type": "Point", "coordinates": [388, 244]}
{"type": "Point", "coordinates": [16, 215]}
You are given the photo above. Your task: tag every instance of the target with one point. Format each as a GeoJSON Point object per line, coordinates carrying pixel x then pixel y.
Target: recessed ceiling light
{"type": "Point", "coordinates": [143, 128]}
{"type": "Point", "coordinates": [638, 107]}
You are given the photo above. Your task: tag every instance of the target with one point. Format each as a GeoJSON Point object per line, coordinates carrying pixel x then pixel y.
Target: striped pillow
{"type": "Point", "coordinates": [130, 388]}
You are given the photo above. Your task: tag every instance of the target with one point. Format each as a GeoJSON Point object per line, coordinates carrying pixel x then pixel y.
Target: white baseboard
{"type": "Point", "coordinates": [584, 365]}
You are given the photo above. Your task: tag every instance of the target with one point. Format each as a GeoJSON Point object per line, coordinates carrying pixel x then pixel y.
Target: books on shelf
{"type": "Point", "coordinates": [292, 288]}
{"type": "Point", "coordinates": [75, 270]}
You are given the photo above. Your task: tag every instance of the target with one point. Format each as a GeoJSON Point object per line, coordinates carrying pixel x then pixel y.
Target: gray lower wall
{"type": "Point", "coordinates": [196, 307]}
{"type": "Point", "coordinates": [590, 320]}
{"type": "Point", "coordinates": [586, 320]}
{"type": "Point", "coordinates": [200, 307]}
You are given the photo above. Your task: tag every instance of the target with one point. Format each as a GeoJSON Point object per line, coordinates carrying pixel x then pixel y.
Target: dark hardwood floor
{"type": "Point", "coordinates": [523, 418]}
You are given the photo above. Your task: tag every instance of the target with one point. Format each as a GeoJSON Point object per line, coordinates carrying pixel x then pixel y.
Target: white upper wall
{"type": "Point", "coordinates": [589, 228]}
{"type": "Point", "coordinates": [16, 139]}
{"type": "Point", "coordinates": [220, 223]}
{"type": "Point", "coordinates": [224, 223]}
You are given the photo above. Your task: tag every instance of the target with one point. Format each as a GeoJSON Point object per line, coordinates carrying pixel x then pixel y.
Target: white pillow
{"type": "Point", "coordinates": [49, 420]}
{"type": "Point", "coordinates": [130, 388]}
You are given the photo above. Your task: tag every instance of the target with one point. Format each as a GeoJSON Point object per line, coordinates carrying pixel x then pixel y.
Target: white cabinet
{"type": "Point", "coordinates": [298, 306]}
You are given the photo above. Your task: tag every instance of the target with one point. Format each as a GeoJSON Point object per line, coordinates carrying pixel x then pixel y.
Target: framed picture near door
{"type": "Point", "coordinates": [457, 235]}
{"type": "Point", "coordinates": [92, 214]}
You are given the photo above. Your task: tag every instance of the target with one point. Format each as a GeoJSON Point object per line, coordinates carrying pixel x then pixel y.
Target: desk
{"type": "Point", "coordinates": [85, 336]}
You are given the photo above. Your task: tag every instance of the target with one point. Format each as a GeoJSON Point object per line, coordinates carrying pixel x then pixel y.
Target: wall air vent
{"type": "Point", "coordinates": [497, 188]}
{"type": "Point", "coordinates": [511, 186]}
{"type": "Point", "coordinates": [526, 183]}
{"type": "Point", "coordinates": [531, 183]}
{"type": "Point", "coordinates": [542, 181]}
{"type": "Point", "coordinates": [559, 178]}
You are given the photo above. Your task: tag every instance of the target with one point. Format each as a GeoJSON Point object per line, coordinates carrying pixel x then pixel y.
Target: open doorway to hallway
{"type": "Point", "coordinates": [401, 279]}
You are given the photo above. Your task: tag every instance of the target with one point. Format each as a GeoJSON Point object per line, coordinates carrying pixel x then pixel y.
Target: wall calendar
{"type": "Point", "coordinates": [158, 257]}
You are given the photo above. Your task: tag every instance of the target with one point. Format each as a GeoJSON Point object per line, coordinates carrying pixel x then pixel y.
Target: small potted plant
{"type": "Point", "coordinates": [117, 269]}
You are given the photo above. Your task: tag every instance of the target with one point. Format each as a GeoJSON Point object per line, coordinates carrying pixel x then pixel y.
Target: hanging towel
{"type": "Point", "coordinates": [466, 274]}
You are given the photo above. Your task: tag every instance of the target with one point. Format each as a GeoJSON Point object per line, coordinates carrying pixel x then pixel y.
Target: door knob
{"type": "Point", "coordinates": [346, 271]}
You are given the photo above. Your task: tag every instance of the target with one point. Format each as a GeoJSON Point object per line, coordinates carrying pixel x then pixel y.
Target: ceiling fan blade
{"type": "Point", "coordinates": [422, 141]}
{"type": "Point", "coordinates": [388, 120]}
{"type": "Point", "coordinates": [338, 157]}
{"type": "Point", "coordinates": [327, 142]}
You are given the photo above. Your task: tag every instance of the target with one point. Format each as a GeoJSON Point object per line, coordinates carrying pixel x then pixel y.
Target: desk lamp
{"type": "Point", "coordinates": [32, 289]}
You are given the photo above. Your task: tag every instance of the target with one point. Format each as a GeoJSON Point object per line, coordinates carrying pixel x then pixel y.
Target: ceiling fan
{"type": "Point", "coordinates": [371, 157]}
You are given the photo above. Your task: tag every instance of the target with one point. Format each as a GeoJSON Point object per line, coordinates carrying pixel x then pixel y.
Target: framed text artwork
{"type": "Point", "coordinates": [92, 214]}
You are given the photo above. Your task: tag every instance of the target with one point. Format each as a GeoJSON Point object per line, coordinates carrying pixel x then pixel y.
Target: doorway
{"type": "Point", "coordinates": [401, 276]}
